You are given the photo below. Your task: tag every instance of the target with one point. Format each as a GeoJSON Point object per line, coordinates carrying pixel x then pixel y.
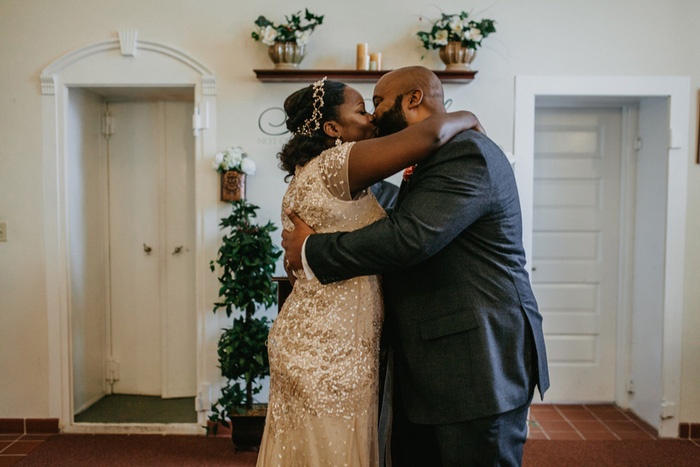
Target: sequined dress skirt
{"type": "Point", "coordinates": [324, 357]}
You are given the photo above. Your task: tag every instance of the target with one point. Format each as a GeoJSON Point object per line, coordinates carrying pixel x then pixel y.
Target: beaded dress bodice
{"type": "Point", "coordinates": [324, 344]}
{"type": "Point", "coordinates": [319, 194]}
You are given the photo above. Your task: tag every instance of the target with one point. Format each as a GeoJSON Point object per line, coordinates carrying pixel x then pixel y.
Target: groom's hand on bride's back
{"type": "Point", "coordinates": [293, 241]}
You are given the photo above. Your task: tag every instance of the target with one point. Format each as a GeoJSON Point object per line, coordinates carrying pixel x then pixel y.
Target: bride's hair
{"type": "Point", "coordinates": [299, 107]}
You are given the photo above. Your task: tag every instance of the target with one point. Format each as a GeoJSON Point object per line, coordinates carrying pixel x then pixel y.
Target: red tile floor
{"type": "Point", "coordinates": [14, 446]}
{"type": "Point", "coordinates": [551, 422]}
{"type": "Point", "coordinates": [586, 422]}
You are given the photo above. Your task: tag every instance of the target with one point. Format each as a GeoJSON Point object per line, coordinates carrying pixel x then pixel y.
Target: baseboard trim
{"type": "Point", "coordinates": [689, 430]}
{"type": "Point", "coordinates": [29, 425]}
{"type": "Point", "coordinates": [136, 428]}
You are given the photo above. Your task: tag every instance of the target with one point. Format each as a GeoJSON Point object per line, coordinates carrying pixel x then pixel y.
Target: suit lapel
{"type": "Point", "coordinates": [404, 188]}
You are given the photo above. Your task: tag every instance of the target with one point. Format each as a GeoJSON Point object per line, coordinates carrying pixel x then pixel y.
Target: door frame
{"type": "Point", "coordinates": [126, 61]}
{"type": "Point", "coordinates": [677, 90]}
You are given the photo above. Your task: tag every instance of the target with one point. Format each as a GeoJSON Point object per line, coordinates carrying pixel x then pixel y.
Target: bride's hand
{"type": "Point", "coordinates": [474, 122]}
{"type": "Point", "coordinates": [293, 241]}
{"type": "Point", "coordinates": [290, 272]}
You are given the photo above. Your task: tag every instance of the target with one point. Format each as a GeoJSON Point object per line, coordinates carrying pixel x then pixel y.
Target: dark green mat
{"type": "Point", "coordinates": [119, 408]}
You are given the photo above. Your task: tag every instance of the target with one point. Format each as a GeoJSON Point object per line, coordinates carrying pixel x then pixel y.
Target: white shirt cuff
{"type": "Point", "coordinates": [307, 270]}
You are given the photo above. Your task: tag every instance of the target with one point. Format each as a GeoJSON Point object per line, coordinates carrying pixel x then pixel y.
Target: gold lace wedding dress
{"type": "Point", "coordinates": [324, 345]}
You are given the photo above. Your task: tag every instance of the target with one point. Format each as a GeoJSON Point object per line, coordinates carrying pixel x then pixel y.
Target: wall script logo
{"type": "Point", "coordinates": [271, 124]}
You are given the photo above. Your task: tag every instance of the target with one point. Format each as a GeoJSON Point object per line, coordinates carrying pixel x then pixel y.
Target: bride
{"type": "Point", "coordinates": [324, 345]}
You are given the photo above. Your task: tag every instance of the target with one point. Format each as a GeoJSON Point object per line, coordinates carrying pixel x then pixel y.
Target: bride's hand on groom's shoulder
{"type": "Point", "coordinates": [293, 241]}
{"type": "Point", "coordinates": [474, 121]}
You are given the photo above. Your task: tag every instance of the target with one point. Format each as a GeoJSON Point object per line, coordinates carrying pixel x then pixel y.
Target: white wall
{"type": "Point", "coordinates": [600, 37]}
{"type": "Point", "coordinates": [87, 243]}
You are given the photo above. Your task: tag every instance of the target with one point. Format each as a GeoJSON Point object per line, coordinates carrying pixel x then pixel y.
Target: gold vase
{"type": "Point", "coordinates": [286, 55]}
{"type": "Point", "coordinates": [232, 186]}
{"type": "Point", "coordinates": [456, 57]}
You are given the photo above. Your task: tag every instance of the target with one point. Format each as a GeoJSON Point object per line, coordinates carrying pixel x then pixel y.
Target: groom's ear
{"type": "Point", "coordinates": [414, 98]}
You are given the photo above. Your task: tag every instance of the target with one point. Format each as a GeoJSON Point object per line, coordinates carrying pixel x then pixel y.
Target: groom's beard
{"type": "Point", "coordinates": [392, 121]}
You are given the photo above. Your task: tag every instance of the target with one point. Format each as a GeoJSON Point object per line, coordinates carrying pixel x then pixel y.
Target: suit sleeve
{"type": "Point", "coordinates": [449, 194]}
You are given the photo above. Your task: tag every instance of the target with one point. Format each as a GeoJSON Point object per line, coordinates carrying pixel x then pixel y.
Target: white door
{"type": "Point", "coordinates": [151, 234]}
{"type": "Point", "coordinates": [179, 332]}
{"type": "Point", "coordinates": [576, 225]}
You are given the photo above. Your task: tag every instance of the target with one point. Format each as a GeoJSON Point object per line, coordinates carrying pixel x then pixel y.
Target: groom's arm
{"type": "Point", "coordinates": [448, 197]}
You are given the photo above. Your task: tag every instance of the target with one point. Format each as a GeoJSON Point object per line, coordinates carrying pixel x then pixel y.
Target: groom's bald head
{"type": "Point", "coordinates": [407, 79]}
{"type": "Point", "coordinates": [410, 94]}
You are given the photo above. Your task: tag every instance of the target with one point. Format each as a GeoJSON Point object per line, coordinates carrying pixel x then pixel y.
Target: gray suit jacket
{"type": "Point", "coordinates": [460, 311]}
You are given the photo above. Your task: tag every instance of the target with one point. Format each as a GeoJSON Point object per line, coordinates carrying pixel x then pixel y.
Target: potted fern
{"type": "Point", "coordinates": [247, 260]}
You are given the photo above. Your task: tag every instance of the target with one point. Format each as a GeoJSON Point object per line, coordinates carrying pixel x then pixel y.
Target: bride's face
{"type": "Point", "coordinates": [354, 123]}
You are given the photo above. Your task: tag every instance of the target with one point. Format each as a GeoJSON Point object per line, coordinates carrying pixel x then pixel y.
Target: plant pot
{"type": "Point", "coordinates": [286, 55]}
{"type": "Point", "coordinates": [232, 186]}
{"type": "Point", "coordinates": [456, 57]}
{"type": "Point", "coordinates": [247, 429]}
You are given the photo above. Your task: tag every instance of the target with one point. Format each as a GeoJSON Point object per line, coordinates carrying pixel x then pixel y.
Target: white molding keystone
{"type": "Point", "coordinates": [48, 84]}
{"type": "Point", "coordinates": [208, 85]}
{"type": "Point", "coordinates": [127, 42]}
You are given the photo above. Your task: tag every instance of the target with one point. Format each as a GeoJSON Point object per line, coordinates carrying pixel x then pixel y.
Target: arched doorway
{"type": "Point", "coordinates": [124, 65]}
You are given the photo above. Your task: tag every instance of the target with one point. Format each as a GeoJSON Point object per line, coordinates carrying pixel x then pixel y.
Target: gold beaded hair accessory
{"type": "Point", "coordinates": [314, 123]}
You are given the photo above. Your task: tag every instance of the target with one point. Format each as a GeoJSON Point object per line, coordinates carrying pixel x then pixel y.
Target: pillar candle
{"type": "Point", "coordinates": [362, 56]}
{"type": "Point", "coordinates": [375, 61]}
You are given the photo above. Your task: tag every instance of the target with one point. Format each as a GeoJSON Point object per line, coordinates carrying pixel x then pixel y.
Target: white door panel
{"type": "Point", "coordinates": [561, 323]}
{"type": "Point", "coordinates": [566, 245]}
{"type": "Point", "coordinates": [179, 375]}
{"type": "Point", "coordinates": [574, 219]}
{"type": "Point", "coordinates": [569, 271]}
{"type": "Point", "coordinates": [135, 274]}
{"type": "Point", "coordinates": [152, 203]}
{"type": "Point", "coordinates": [566, 296]}
{"type": "Point", "coordinates": [566, 141]}
{"type": "Point", "coordinates": [568, 168]}
{"type": "Point", "coordinates": [571, 349]}
{"type": "Point", "coordinates": [575, 247]}
{"type": "Point", "coordinates": [568, 193]}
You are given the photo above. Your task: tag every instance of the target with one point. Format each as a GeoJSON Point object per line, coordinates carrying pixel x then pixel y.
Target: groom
{"type": "Point", "coordinates": [460, 312]}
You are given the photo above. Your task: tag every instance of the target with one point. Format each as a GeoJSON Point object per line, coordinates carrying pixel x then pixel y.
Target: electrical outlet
{"type": "Point", "coordinates": [3, 231]}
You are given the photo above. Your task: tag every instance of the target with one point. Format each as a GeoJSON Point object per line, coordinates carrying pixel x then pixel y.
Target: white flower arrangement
{"type": "Point", "coordinates": [268, 34]}
{"type": "Point", "coordinates": [233, 158]}
{"type": "Point", "coordinates": [298, 28]}
{"type": "Point", "coordinates": [457, 27]}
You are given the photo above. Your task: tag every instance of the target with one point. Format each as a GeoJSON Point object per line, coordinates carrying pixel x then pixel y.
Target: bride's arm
{"type": "Point", "coordinates": [375, 159]}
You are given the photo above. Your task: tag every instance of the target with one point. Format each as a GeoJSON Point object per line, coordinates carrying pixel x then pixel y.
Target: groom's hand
{"type": "Point", "coordinates": [293, 241]}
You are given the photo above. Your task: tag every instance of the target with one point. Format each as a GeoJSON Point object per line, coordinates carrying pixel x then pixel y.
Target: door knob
{"type": "Point", "coordinates": [177, 249]}
{"type": "Point", "coordinates": [147, 249]}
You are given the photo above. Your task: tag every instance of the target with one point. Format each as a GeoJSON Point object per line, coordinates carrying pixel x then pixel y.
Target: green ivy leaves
{"type": "Point", "coordinates": [247, 260]}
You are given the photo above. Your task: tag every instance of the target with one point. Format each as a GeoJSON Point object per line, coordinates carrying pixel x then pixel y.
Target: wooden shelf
{"type": "Point", "coordinates": [355, 76]}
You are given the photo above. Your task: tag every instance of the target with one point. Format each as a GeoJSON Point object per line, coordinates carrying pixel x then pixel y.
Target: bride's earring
{"type": "Point", "coordinates": [338, 141]}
